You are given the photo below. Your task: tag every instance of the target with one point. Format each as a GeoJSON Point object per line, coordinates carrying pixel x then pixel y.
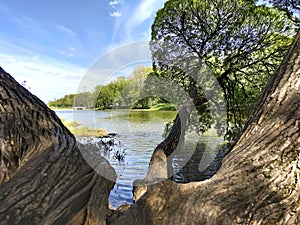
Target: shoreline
{"type": "Point", "coordinates": [117, 109]}
{"type": "Point", "coordinates": [158, 107]}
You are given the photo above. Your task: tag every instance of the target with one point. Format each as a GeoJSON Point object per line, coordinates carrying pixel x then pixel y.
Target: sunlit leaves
{"type": "Point", "coordinates": [242, 44]}
{"type": "Point", "coordinates": [290, 7]}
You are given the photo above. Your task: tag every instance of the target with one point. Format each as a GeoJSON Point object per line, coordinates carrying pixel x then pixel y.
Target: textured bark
{"type": "Point", "coordinates": [160, 166]}
{"type": "Point", "coordinates": [45, 179]}
{"type": "Point", "coordinates": [258, 182]}
{"type": "Point", "coordinates": [161, 161]}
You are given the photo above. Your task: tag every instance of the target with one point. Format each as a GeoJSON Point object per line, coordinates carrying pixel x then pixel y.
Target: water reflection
{"type": "Point", "coordinates": [139, 132]}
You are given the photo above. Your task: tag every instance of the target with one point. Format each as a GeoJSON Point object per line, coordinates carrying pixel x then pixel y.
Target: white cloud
{"type": "Point", "coordinates": [64, 53]}
{"type": "Point", "coordinates": [144, 11]}
{"type": "Point", "coordinates": [115, 63]}
{"type": "Point", "coordinates": [68, 52]}
{"type": "Point", "coordinates": [46, 77]}
{"type": "Point", "coordinates": [113, 3]}
{"type": "Point", "coordinates": [115, 14]}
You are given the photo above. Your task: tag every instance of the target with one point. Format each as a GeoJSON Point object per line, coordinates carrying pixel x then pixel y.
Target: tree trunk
{"type": "Point", "coordinates": [258, 182]}
{"type": "Point", "coordinates": [45, 179]}
{"type": "Point", "coordinates": [160, 166]}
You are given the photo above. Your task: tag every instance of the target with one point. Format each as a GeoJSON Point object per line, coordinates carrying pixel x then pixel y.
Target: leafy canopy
{"type": "Point", "coordinates": [290, 7]}
{"type": "Point", "coordinates": [241, 43]}
{"type": "Point", "coordinates": [122, 92]}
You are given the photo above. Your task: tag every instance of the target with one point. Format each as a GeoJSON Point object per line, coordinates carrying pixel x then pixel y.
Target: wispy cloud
{"type": "Point", "coordinates": [20, 20]}
{"type": "Point", "coordinates": [69, 52]}
{"type": "Point", "coordinates": [48, 78]}
{"type": "Point", "coordinates": [4, 9]}
{"type": "Point", "coordinates": [118, 61]}
{"type": "Point", "coordinates": [67, 30]}
{"type": "Point", "coordinates": [115, 14]}
{"type": "Point", "coordinates": [71, 47]}
{"type": "Point", "coordinates": [144, 11]}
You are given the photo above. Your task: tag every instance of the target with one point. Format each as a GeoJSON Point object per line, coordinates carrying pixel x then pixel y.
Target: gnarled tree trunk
{"type": "Point", "coordinates": [45, 179]}
{"type": "Point", "coordinates": [258, 182]}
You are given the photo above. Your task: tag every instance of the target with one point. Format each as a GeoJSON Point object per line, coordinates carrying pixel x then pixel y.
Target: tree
{"type": "Point", "coordinates": [290, 7]}
{"type": "Point", "coordinates": [48, 182]}
{"type": "Point", "coordinates": [258, 182]}
{"type": "Point", "coordinates": [130, 93]}
{"type": "Point", "coordinates": [44, 178]}
{"type": "Point", "coordinates": [121, 92]}
{"type": "Point", "coordinates": [240, 42]}
{"type": "Point", "coordinates": [67, 101]}
{"type": "Point", "coordinates": [83, 99]}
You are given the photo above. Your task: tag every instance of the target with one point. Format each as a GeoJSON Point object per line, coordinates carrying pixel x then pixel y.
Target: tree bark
{"type": "Point", "coordinates": [45, 179]}
{"type": "Point", "coordinates": [160, 166]}
{"type": "Point", "coordinates": [258, 182]}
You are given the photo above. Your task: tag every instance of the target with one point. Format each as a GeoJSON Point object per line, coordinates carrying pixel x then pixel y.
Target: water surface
{"type": "Point", "coordinates": [139, 132]}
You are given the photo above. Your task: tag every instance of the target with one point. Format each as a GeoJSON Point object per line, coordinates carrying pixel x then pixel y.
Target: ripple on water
{"type": "Point", "coordinates": [139, 137]}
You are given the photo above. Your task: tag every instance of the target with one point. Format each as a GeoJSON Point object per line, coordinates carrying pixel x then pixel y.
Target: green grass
{"type": "Point", "coordinates": [88, 132]}
{"type": "Point", "coordinates": [164, 106]}
{"type": "Point", "coordinates": [158, 107]}
{"type": "Point", "coordinates": [60, 108]}
{"type": "Point", "coordinates": [83, 131]}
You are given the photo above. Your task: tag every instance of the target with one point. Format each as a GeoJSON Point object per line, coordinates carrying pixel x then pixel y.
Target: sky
{"type": "Point", "coordinates": [52, 44]}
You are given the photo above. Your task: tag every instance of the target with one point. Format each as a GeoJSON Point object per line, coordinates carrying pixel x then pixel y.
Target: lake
{"type": "Point", "coordinates": [139, 132]}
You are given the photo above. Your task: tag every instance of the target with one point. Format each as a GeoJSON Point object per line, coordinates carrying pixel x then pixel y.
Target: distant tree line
{"type": "Point", "coordinates": [65, 102]}
{"type": "Point", "coordinates": [123, 92]}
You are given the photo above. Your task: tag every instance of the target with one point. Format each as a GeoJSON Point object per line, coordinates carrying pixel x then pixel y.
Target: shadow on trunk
{"type": "Point", "coordinates": [45, 179]}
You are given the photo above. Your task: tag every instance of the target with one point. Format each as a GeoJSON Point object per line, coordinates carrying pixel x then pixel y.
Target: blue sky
{"type": "Point", "coordinates": [52, 43]}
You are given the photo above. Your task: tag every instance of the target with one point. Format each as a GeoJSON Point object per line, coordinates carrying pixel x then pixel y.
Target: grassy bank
{"type": "Point", "coordinates": [79, 131]}
{"type": "Point", "coordinates": [164, 106]}
{"type": "Point", "coordinates": [161, 106]}
{"type": "Point", "coordinates": [158, 107]}
{"type": "Point", "coordinates": [56, 108]}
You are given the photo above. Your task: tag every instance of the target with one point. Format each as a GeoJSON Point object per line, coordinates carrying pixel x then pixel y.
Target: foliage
{"type": "Point", "coordinates": [290, 7]}
{"type": "Point", "coordinates": [130, 94]}
{"type": "Point", "coordinates": [164, 106]}
{"type": "Point", "coordinates": [65, 102]}
{"type": "Point", "coordinates": [123, 92]}
{"type": "Point", "coordinates": [241, 43]}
